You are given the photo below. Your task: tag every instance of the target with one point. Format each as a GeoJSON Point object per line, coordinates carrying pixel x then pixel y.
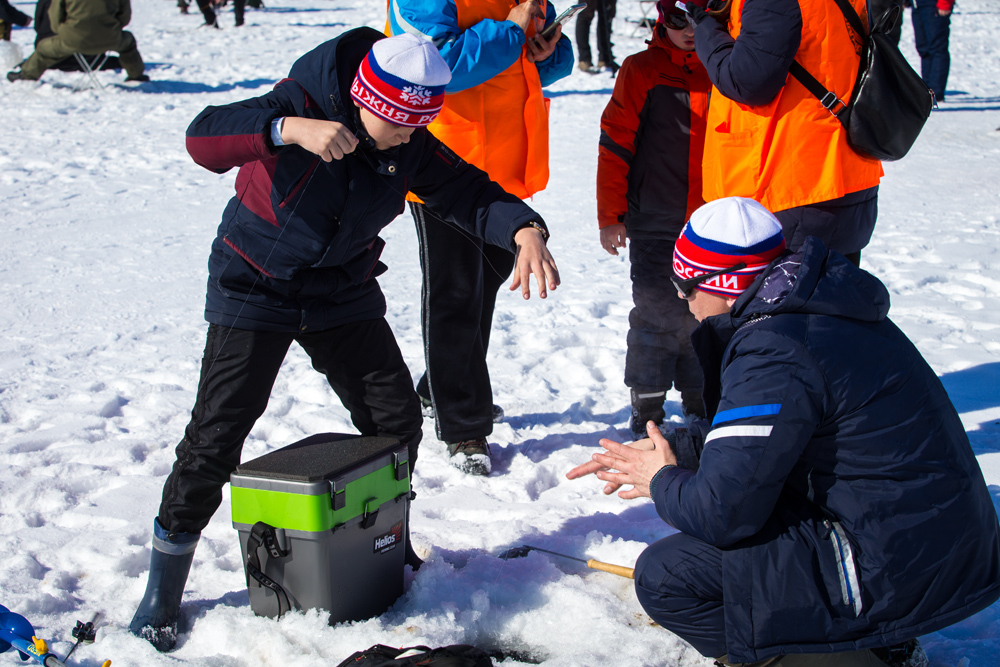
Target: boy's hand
{"type": "Point", "coordinates": [540, 48]}
{"type": "Point", "coordinates": [525, 14]}
{"type": "Point", "coordinates": [612, 238]}
{"type": "Point", "coordinates": [328, 139]}
{"type": "Point", "coordinates": [533, 258]}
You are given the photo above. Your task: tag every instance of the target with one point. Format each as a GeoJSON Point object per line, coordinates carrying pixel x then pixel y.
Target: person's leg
{"type": "Point", "coordinates": [678, 581]}
{"type": "Point", "coordinates": [238, 8]}
{"type": "Point", "coordinates": [583, 21]}
{"type": "Point", "coordinates": [237, 372]}
{"type": "Point", "coordinates": [128, 55]}
{"type": "Point", "coordinates": [206, 10]}
{"type": "Point", "coordinates": [652, 349]}
{"type": "Point", "coordinates": [364, 366]}
{"type": "Point", "coordinates": [451, 318]}
{"type": "Point", "coordinates": [605, 17]}
{"type": "Point", "coordinates": [49, 51]}
{"type": "Point", "coordinates": [937, 29]}
{"type": "Point", "coordinates": [921, 36]}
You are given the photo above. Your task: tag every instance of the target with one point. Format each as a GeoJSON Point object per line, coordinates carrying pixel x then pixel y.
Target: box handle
{"type": "Point", "coordinates": [369, 518]}
{"type": "Point", "coordinates": [338, 497]}
{"type": "Point", "coordinates": [401, 465]}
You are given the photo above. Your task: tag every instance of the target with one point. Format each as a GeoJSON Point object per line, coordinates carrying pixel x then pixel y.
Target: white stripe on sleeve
{"type": "Point", "coordinates": [754, 431]}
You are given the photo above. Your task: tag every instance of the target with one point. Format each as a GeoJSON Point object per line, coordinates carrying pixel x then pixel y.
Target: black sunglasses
{"type": "Point", "coordinates": [677, 21]}
{"type": "Point", "coordinates": [686, 287]}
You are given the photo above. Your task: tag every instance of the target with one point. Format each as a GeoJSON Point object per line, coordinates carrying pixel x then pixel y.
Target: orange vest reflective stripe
{"type": "Point", "coordinates": [792, 151]}
{"type": "Point", "coordinates": [501, 125]}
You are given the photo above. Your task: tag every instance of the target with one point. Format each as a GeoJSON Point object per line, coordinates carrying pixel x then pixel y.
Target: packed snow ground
{"type": "Point", "coordinates": [106, 225]}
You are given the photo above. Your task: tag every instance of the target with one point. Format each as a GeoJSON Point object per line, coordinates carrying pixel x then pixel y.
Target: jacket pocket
{"type": "Point", "coordinates": [847, 568]}
{"type": "Point", "coordinates": [299, 184]}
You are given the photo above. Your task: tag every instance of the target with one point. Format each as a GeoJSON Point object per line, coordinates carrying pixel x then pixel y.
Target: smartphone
{"type": "Point", "coordinates": [562, 18]}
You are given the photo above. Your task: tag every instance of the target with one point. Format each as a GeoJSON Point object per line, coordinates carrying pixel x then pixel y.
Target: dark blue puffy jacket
{"type": "Point", "coordinates": [836, 476]}
{"type": "Point", "coordinates": [298, 248]}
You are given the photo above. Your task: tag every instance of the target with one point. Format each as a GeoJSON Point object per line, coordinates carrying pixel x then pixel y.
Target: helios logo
{"type": "Point", "coordinates": [388, 541]}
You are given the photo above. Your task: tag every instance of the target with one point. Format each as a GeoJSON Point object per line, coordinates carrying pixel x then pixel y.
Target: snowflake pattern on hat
{"type": "Point", "coordinates": [416, 95]}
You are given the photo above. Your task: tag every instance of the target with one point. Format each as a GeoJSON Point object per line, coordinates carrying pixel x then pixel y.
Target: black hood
{"type": "Point", "coordinates": [813, 281]}
{"type": "Point", "coordinates": [342, 55]}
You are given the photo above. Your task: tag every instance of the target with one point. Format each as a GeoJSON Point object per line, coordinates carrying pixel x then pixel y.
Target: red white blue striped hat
{"type": "Point", "coordinates": [402, 80]}
{"type": "Point", "coordinates": [724, 233]}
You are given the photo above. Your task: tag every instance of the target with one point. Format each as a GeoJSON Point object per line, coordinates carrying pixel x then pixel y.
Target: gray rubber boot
{"type": "Point", "coordinates": [169, 563]}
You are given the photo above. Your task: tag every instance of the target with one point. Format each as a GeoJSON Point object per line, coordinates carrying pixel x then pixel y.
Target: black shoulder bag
{"type": "Point", "coordinates": [890, 102]}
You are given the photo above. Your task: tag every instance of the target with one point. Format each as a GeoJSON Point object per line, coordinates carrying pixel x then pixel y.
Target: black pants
{"type": "Point", "coordinates": [461, 276]}
{"type": "Point", "coordinates": [605, 10]}
{"type": "Point", "coordinates": [362, 363]}
{"type": "Point", "coordinates": [659, 353]}
{"type": "Point", "coordinates": [844, 224]}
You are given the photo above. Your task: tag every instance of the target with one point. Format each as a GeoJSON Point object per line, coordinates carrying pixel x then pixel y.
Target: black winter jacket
{"type": "Point", "coordinates": [298, 248]}
{"type": "Point", "coordinates": [836, 477]}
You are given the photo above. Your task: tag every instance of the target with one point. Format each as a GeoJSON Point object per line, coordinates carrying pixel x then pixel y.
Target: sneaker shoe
{"type": "Point", "coordinates": [585, 66]}
{"type": "Point", "coordinates": [471, 456]}
{"type": "Point", "coordinates": [601, 64]}
{"type": "Point", "coordinates": [142, 78]}
{"type": "Point", "coordinates": [907, 654]}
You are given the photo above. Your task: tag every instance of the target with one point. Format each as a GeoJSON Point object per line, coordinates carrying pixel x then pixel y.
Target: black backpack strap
{"type": "Point", "coordinates": [828, 99]}
{"type": "Point", "coordinates": [263, 535]}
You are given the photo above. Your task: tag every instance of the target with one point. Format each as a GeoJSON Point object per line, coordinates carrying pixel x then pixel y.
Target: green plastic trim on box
{"type": "Point", "coordinates": [315, 513]}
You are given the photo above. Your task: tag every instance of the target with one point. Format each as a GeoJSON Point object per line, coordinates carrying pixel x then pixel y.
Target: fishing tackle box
{"type": "Point", "coordinates": [321, 525]}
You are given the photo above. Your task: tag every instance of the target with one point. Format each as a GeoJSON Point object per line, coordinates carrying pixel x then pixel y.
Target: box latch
{"type": "Point", "coordinates": [338, 496]}
{"type": "Point", "coordinates": [399, 461]}
{"type": "Point", "coordinates": [370, 517]}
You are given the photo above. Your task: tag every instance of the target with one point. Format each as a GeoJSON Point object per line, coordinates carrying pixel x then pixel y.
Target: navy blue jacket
{"type": "Point", "coordinates": [836, 477]}
{"type": "Point", "coordinates": [298, 248]}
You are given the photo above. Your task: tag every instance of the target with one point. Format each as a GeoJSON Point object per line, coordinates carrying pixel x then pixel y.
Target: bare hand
{"type": "Point", "coordinates": [525, 14]}
{"type": "Point", "coordinates": [533, 258]}
{"type": "Point", "coordinates": [613, 237]}
{"type": "Point", "coordinates": [328, 139]}
{"type": "Point", "coordinates": [636, 464]}
{"type": "Point", "coordinates": [540, 48]}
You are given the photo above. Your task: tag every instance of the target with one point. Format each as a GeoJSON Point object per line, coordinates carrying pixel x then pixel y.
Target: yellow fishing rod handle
{"type": "Point", "coordinates": [620, 570]}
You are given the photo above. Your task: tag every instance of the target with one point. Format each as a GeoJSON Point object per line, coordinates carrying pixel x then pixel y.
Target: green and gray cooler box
{"type": "Point", "coordinates": [322, 524]}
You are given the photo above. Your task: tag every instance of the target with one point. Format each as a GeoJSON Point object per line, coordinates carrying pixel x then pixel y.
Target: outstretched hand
{"type": "Point", "coordinates": [328, 139]}
{"type": "Point", "coordinates": [533, 258]}
{"type": "Point", "coordinates": [636, 464]}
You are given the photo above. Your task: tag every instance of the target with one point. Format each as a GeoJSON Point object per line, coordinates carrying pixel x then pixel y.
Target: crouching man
{"type": "Point", "coordinates": [326, 160]}
{"type": "Point", "coordinates": [832, 510]}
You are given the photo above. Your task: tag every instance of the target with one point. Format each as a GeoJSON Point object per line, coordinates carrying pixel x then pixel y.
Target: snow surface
{"type": "Point", "coordinates": [106, 225]}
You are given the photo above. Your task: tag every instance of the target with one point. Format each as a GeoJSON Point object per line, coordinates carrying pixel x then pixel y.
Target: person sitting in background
{"type": "Point", "coordinates": [832, 510]}
{"type": "Point", "coordinates": [89, 27]}
{"type": "Point", "coordinates": [646, 191]}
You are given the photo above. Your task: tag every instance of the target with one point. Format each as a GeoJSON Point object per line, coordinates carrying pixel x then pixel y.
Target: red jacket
{"type": "Point", "coordinates": [652, 136]}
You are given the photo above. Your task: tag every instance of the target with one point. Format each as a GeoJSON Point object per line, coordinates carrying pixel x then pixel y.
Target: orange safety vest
{"type": "Point", "coordinates": [501, 125]}
{"type": "Point", "coordinates": [792, 151]}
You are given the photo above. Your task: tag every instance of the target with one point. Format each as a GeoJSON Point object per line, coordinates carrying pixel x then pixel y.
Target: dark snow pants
{"type": "Point", "coordinates": [678, 581]}
{"type": "Point", "coordinates": [583, 21]}
{"type": "Point", "coordinates": [844, 224]}
{"type": "Point", "coordinates": [461, 276]}
{"type": "Point", "coordinates": [362, 363]}
{"type": "Point", "coordinates": [659, 337]}
{"type": "Point", "coordinates": [931, 32]}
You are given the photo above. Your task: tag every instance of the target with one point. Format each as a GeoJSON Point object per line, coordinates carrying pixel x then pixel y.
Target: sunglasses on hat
{"type": "Point", "coordinates": [687, 287]}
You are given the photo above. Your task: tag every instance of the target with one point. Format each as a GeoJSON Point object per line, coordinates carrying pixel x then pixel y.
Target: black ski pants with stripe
{"type": "Point", "coordinates": [362, 363]}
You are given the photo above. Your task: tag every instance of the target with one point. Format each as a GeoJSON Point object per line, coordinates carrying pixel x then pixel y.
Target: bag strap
{"type": "Point", "coordinates": [829, 99]}
{"type": "Point", "coordinates": [263, 535]}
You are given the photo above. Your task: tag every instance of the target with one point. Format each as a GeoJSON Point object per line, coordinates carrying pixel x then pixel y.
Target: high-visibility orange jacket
{"type": "Point", "coordinates": [501, 124]}
{"type": "Point", "coordinates": [652, 134]}
{"type": "Point", "coordinates": [785, 149]}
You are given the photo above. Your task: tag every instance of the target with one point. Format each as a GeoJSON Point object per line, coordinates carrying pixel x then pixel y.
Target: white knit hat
{"type": "Point", "coordinates": [402, 80]}
{"type": "Point", "coordinates": [724, 233]}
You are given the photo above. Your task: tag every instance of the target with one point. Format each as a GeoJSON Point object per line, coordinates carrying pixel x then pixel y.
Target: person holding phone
{"type": "Point", "coordinates": [495, 117]}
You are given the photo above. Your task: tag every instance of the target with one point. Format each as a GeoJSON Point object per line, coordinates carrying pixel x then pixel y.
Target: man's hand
{"type": "Point", "coordinates": [636, 464]}
{"type": "Point", "coordinates": [527, 13]}
{"type": "Point", "coordinates": [612, 238]}
{"type": "Point", "coordinates": [533, 258]}
{"type": "Point", "coordinates": [540, 48]}
{"type": "Point", "coordinates": [326, 138]}
{"type": "Point", "coordinates": [697, 14]}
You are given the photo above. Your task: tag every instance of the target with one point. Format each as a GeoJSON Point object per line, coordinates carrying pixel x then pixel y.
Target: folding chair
{"type": "Point", "coordinates": [647, 21]}
{"type": "Point", "coordinates": [90, 68]}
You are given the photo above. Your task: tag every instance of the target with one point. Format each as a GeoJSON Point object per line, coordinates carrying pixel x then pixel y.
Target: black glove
{"type": "Point", "coordinates": [698, 14]}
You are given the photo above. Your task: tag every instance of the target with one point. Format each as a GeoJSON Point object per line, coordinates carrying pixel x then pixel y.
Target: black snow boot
{"type": "Point", "coordinates": [170, 561]}
{"type": "Point", "coordinates": [647, 405]}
